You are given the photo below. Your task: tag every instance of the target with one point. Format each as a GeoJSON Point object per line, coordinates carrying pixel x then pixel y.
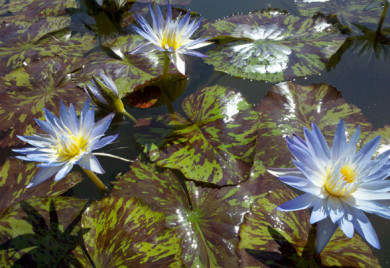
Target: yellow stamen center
{"type": "Point", "coordinates": [343, 185]}
{"type": "Point", "coordinates": [72, 147]}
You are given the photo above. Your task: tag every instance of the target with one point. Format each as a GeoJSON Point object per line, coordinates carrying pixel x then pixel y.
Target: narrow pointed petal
{"type": "Point", "coordinates": [298, 203]}
{"type": "Point", "coordinates": [364, 228]}
{"type": "Point", "coordinates": [90, 162]}
{"type": "Point", "coordinates": [320, 211]}
{"type": "Point", "coordinates": [179, 63]}
{"type": "Point", "coordinates": [63, 171]}
{"type": "Point", "coordinates": [325, 231]}
{"type": "Point", "coordinates": [42, 175]}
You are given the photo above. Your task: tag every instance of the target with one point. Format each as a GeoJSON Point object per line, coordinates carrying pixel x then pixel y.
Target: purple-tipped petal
{"type": "Point", "coordinates": [298, 203]}
{"type": "Point", "coordinates": [325, 231]}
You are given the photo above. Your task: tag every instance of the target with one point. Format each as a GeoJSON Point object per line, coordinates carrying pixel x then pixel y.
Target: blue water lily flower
{"type": "Point", "coordinates": [171, 36]}
{"type": "Point", "coordinates": [339, 183]}
{"type": "Point", "coordinates": [69, 140]}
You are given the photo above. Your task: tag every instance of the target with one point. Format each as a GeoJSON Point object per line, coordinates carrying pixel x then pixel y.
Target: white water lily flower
{"type": "Point", "coordinates": [69, 141]}
{"type": "Point", "coordinates": [171, 36]}
{"type": "Point", "coordinates": [339, 183]}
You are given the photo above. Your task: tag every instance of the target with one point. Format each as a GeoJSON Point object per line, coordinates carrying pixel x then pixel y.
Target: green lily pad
{"type": "Point", "coordinates": [40, 232]}
{"type": "Point", "coordinates": [348, 12]}
{"type": "Point", "coordinates": [16, 175]}
{"type": "Point", "coordinates": [272, 45]}
{"type": "Point", "coordinates": [27, 90]}
{"type": "Point", "coordinates": [127, 71]}
{"type": "Point", "coordinates": [126, 233]}
{"type": "Point", "coordinates": [207, 226]}
{"type": "Point", "coordinates": [214, 145]}
{"type": "Point", "coordinates": [286, 239]}
{"type": "Point", "coordinates": [288, 107]}
{"type": "Point", "coordinates": [25, 42]}
{"type": "Point", "coordinates": [33, 9]}
{"type": "Point", "coordinates": [385, 138]}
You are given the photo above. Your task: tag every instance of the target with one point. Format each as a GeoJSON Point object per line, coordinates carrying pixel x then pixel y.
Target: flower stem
{"type": "Point", "coordinates": [166, 66]}
{"type": "Point", "coordinates": [95, 179]}
{"type": "Point", "coordinates": [132, 118]}
{"type": "Point", "coordinates": [378, 30]}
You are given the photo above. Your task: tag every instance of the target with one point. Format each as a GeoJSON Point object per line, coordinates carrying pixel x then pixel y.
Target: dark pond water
{"type": "Point", "coordinates": [363, 80]}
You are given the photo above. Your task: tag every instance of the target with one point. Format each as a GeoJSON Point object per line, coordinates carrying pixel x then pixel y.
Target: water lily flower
{"type": "Point", "coordinates": [69, 140]}
{"type": "Point", "coordinates": [105, 94]}
{"type": "Point", "coordinates": [171, 36]}
{"type": "Point", "coordinates": [338, 183]}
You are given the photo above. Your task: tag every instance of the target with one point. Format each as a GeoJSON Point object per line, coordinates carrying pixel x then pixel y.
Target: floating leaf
{"type": "Point", "coordinates": [348, 12]}
{"type": "Point", "coordinates": [40, 232]}
{"type": "Point", "coordinates": [215, 144]}
{"type": "Point", "coordinates": [32, 9]}
{"type": "Point", "coordinates": [27, 90]}
{"type": "Point", "coordinates": [288, 107]}
{"type": "Point", "coordinates": [286, 239]}
{"type": "Point", "coordinates": [127, 71]}
{"type": "Point", "coordinates": [25, 42]}
{"type": "Point", "coordinates": [208, 227]}
{"type": "Point", "coordinates": [16, 175]}
{"type": "Point", "coordinates": [385, 138]}
{"type": "Point", "coordinates": [127, 233]}
{"type": "Point", "coordinates": [272, 46]}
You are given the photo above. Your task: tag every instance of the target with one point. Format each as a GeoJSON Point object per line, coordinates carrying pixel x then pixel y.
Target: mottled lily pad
{"type": "Point", "coordinates": [40, 232]}
{"type": "Point", "coordinates": [33, 9]}
{"type": "Point", "coordinates": [16, 175]}
{"type": "Point", "coordinates": [288, 107]}
{"type": "Point", "coordinates": [127, 71]}
{"type": "Point", "coordinates": [385, 138]}
{"type": "Point", "coordinates": [286, 239]}
{"type": "Point", "coordinates": [27, 90]}
{"type": "Point", "coordinates": [207, 226]}
{"type": "Point", "coordinates": [272, 45]}
{"type": "Point", "coordinates": [123, 232]}
{"type": "Point", "coordinates": [25, 42]}
{"type": "Point", "coordinates": [214, 145]}
{"type": "Point", "coordinates": [348, 12]}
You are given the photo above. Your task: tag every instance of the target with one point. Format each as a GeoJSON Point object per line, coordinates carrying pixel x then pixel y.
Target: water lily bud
{"type": "Point", "coordinates": [104, 93]}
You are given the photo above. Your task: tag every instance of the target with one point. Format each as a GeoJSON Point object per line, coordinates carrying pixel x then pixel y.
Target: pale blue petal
{"type": "Point", "coordinates": [335, 208]}
{"type": "Point", "coordinates": [90, 162]}
{"type": "Point", "coordinates": [104, 141]}
{"type": "Point", "coordinates": [380, 186]}
{"type": "Point", "coordinates": [321, 140]}
{"type": "Point", "coordinates": [45, 126]}
{"type": "Point", "coordinates": [69, 119]}
{"type": "Point", "coordinates": [351, 146]}
{"type": "Point", "coordinates": [65, 169]}
{"type": "Point", "coordinates": [367, 151]}
{"type": "Point", "coordinates": [178, 60]}
{"type": "Point", "coordinates": [345, 222]}
{"type": "Point", "coordinates": [364, 228]}
{"type": "Point", "coordinates": [42, 175]}
{"type": "Point", "coordinates": [193, 53]}
{"type": "Point", "coordinates": [320, 211]}
{"type": "Point", "coordinates": [109, 83]}
{"type": "Point", "coordinates": [296, 182]}
{"type": "Point", "coordinates": [314, 145]}
{"type": "Point", "coordinates": [37, 141]}
{"type": "Point", "coordinates": [298, 203]}
{"type": "Point", "coordinates": [325, 231]}
{"type": "Point", "coordinates": [102, 125]}
{"type": "Point", "coordinates": [339, 142]}
{"type": "Point", "coordinates": [373, 207]}
{"type": "Point", "coordinates": [145, 48]}
{"type": "Point", "coordinates": [303, 156]}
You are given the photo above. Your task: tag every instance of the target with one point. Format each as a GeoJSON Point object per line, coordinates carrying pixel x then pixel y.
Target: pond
{"type": "Point", "coordinates": [192, 177]}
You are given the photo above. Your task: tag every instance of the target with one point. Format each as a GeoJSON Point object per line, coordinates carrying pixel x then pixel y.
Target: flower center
{"type": "Point", "coordinates": [71, 147]}
{"type": "Point", "coordinates": [341, 184]}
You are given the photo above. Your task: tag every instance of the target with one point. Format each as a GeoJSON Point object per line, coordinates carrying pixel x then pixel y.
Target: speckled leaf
{"type": "Point", "coordinates": [272, 46]}
{"type": "Point", "coordinates": [348, 12]}
{"type": "Point", "coordinates": [27, 90]}
{"type": "Point", "coordinates": [16, 175]}
{"type": "Point", "coordinates": [208, 227]}
{"type": "Point", "coordinates": [33, 9]}
{"type": "Point", "coordinates": [216, 143]}
{"type": "Point", "coordinates": [25, 42]}
{"type": "Point", "coordinates": [40, 232]}
{"type": "Point", "coordinates": [271, 238]}
{"type": "Point", "coordinates": [127, 71]}
{"type": "Point", "coordinates": [288, 107]}
{"type": "Point", "coordinates": [123, 232]}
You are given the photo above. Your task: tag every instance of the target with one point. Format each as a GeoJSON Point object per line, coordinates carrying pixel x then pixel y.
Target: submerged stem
{"type": "Point", "coordinates": [132, 118]}
{"type": "Point", "coordinates": [95, 179]}
{"type": "Point", "coordinates": [378, 30]}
